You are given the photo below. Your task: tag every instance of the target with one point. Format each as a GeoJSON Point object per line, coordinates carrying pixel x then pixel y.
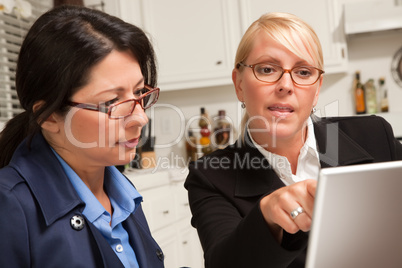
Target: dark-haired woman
{"type": "Point", "coordinates": [84, 79]}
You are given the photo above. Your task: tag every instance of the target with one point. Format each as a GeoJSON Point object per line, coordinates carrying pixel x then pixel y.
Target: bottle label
{"type": "Point", "coordinates": [360, 105]}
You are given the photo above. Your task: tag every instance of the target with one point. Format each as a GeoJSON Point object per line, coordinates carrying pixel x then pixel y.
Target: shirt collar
{"type": "Point", "coordinates": [311, 143]}
{"type": "Point", "coordinates": [280, 164]}
{"type": "Point", "coordinates": [123, 196]}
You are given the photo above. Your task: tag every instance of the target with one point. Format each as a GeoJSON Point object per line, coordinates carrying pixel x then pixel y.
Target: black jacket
{"type": "Point", "coordinates": [225, 188]}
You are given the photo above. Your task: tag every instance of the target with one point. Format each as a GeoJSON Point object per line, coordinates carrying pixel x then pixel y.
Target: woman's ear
{"type": "Point", "coordinates": [51, 123]}
{"type": "Point", "coordinates": [236, 78]}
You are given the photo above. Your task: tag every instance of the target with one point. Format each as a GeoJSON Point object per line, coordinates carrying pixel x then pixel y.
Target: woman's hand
{"type": "Point", "coordinates": [277, 206]}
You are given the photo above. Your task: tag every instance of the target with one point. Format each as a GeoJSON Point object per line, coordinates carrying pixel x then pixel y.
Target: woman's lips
{"type": "Point", "coordinates": [281, 110]}
{"type": "Point", "coordinates": [130, 143]}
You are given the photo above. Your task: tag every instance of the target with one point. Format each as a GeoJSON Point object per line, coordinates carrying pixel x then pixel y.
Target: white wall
{"type": "Point", "coordinates": [370, 53]}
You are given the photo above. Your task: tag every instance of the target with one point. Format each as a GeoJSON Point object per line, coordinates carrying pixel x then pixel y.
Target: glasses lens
{"type": "Point", "coordinates": [149, 99]}
{"type": "Point", "coordinates": [305, 75]}
{"type": "Point", "coordinates": [126, 108]}
{"type": "Point", "coordinates": [123, 109]}
{"type": "Point", "coordinates": [267, 72]}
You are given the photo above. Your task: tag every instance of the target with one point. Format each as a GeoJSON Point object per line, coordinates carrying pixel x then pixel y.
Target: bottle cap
{"type": "Point", "coordinates": [357, 74]}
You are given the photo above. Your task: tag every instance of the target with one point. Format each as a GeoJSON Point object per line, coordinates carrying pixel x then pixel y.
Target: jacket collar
{"type": "Point", "coordinates": [254, 174]}
{"type": "Point", "coordinates": [45, 177]}
{"type": "Point", "coordinates": [334, 146]}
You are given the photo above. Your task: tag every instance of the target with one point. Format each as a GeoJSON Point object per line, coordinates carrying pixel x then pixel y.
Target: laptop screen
{"type": "Point", "coordinates": [357, 219]}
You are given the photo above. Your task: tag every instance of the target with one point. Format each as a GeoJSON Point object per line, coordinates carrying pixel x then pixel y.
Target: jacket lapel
{"type": "Point", "coordinates": [255, 176]}
{"type": "Point", "coordinates": [109, 258]}
{"type": "Point", "coordinates": [142, 241]}
{"type": "Point", "coordinates": [46, 179]}
{"type": "Point", "coordinates": [335, 147]}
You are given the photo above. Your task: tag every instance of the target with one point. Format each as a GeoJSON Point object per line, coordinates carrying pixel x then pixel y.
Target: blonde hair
{"type": "Point", "coordinates": [288, 30]}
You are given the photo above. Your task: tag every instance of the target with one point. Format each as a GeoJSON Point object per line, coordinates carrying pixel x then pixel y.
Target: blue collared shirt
{"type": "Point", "coordinates": [124, 199]}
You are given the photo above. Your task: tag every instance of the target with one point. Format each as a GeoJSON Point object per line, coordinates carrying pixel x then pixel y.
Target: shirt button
{"type": "Point", "coordinates": [119, 248]}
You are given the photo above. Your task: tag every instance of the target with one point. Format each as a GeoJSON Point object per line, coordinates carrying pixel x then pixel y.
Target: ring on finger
{"type": "Point", "coordinates": [296, 212]}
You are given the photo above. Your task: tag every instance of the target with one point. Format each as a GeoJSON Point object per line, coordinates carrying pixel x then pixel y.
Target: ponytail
{"type": "Point", "coordinates": [15, 131]}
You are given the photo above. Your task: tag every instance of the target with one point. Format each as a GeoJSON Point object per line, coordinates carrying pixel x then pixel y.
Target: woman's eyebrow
{"type": "Point", "coordinates": [302, 63]}
{"type": "Point", "coordinates": [119, 88]}
{"type": "Point", "coordinates": [266, 59]}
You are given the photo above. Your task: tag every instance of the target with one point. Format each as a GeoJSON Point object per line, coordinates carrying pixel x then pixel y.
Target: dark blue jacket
{"type": "Point", "coordinates": [37, 202]}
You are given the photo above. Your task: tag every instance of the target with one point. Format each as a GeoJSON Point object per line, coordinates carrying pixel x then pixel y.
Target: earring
{"type": "Point", "coordinates": [313, 110]}
{"type": "Point", "coordinates": [243, 105]}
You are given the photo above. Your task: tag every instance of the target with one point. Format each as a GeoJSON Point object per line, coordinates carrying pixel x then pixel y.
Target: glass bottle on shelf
{"type": "Point", "coordinates": [222, 130]}
{"type": "Point", "coordinates": [384, 106]}
{"type": "Point", "coordinates": [204, 124]}
{"type": "Point", "coordinates": [359, 95]}
{"type": "Point", "coordinates": [191, 146]}
{"type": "Point", "coordinates": [371, 97]}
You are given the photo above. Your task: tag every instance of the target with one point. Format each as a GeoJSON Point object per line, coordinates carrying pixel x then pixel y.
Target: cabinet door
{"type": "Point", "coordinates": [190, 250]}
{"type": "Point", "coordinates": [194, 40]}
{"type": "Point", "coordinates": [167, 240]}
{"type": "Point", "coordinates": [325, 16]}
{"type": "Point", "coordinates": [159, 207]}
{"type": "Point", "coordinates": [109, 6]}
{"type": "Point", "coordinates": [181, 201]}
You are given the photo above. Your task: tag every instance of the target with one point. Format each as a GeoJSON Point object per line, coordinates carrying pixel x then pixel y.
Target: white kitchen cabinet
{"type": "Point", "coordinates": [109, 6]}
{"type": "Point", "coordinates": [368, 16]}
{"type": "Point", "coordinates": [195, 41]}
{"type": "Point", "coordinates": [168, 241]}
{"type": "Point", "coordinates": [325, 16]}
{"type": "Point", "coordinates": [165, 205]}
{"type": "Point", "coordinates": [189, 246]}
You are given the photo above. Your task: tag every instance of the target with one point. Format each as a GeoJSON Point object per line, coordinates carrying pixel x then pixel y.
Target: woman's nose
{"type": "Point", "coordinates": [137, 118]}
{"type": "Point", "coordinates": [285, 84]}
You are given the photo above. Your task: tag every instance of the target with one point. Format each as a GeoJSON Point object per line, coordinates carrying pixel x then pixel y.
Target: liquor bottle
{"type": "Point", "coordinates": [191, 146]}
{"type": "Point", "coordinates": [222, 130]}
{"type": "Point", "coordinates": [371, 97]}
{"type": "Point", "coordinates": [384, 96]}
{"type": "Point", "coordinates": [204, 124]}
{"type": "Point", "coordinates": [359, 95]}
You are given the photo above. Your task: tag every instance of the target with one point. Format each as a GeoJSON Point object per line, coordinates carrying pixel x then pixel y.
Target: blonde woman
{"type": "Point", "coordinates": [252, 203]}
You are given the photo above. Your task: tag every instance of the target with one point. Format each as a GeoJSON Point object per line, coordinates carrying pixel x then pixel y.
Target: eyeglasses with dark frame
{"type": "Point", "coordinates": [125, 108]}
{"type": "Point", "coordinates": [271, 73]}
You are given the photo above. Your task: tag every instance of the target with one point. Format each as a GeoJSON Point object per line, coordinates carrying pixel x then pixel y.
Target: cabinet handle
{"type": "Point", "coordinates": [219, 62]}
{"type": "Point", "coordinates": [165, 212]}
{"type": "Point", "coordinates": [184, 242]}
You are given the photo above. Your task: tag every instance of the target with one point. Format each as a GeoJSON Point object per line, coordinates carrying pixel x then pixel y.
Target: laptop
{"type": "Point", "coordinates": [357, 219]}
